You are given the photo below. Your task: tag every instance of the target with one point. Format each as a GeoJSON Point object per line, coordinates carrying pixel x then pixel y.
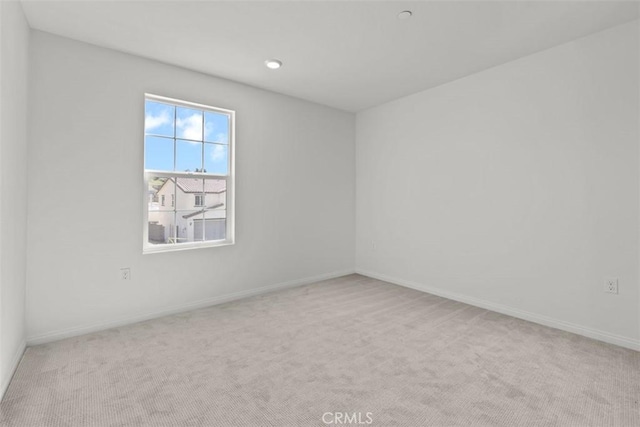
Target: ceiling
{"type": "Point", "coordinates": [350, 55]}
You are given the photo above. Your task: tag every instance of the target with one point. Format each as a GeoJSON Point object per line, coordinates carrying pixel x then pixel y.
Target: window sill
{"type": "Point", "coordinates": [175, 247]}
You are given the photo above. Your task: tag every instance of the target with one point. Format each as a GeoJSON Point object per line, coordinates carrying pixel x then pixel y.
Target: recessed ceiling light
{"type": "Point", "coordinates": [274, 64]}
{"type": "Point", "coordinates": [405, 14]}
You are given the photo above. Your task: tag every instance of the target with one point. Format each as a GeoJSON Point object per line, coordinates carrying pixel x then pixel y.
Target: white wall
{"type": "Point", "coordinates": [515, 188]}
{"type": "Point", "coordinates": [294, 191]}
{"type": "Point", "coordinates": [14, 42]}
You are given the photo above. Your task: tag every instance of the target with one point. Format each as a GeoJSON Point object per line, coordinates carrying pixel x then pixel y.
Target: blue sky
{"type": "Point", "coordinates": [188, 126]}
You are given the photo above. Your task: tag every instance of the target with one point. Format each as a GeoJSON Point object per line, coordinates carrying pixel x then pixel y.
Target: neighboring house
{"type": "Point", "coordinates": [181, 210]}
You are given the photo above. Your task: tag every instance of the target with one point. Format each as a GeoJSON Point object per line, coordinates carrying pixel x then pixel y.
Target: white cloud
{"type": "Point", "coordinates": [218, 153]}
{"type": "Point", "coordinates": [152, 122]}
{"type": "Point", "coordinates": [191, 127]}
{"type": "Point", "coordinates": [222, 137]}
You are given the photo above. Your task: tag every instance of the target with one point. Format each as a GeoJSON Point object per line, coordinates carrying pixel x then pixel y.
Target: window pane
{"type": "Point", "coordinates": [158, 153]}
{"type": "Point", "coordinates": [216, 127]}
{"type": "Point", "coordinates": [158, 118]}
{"type": "Point", "coordinates": [187, 189]}
{"type": "Point", "coordinates": [162, 228]}
{"type": "Point", "coordinates": [184, 226]}
{"type": "Point", "coordinates": [216, 228]}
{"type": "Point", "coordinates": [161, 194]}
{"type": "Point", "coordinates": [216, 158]}
{"type": "Point", "coordinates": [196, 224]}
{"type": "Point", "coordinates": [215, 214]}
{"type": "Point", "coordinates": [172, 228]}
{"type": "Point", "coordinates": [189, 123]}
{"type": "Point", "coordinates": [188, 156]}
{"type": "Point", "coordinates": [215, 191]}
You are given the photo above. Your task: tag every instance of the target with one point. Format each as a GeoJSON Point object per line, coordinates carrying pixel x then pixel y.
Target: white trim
{"type": "Point", "coordinates": [178, 174]}
{"type": "Point", "coordinates": [521, 314]}
{"type": "Point", "coordinates": [187, 104]}
{"type": "Point", "coordinates": [174, 247]}
{"type": "Point", "coordinates": [81, 330]}
{"type": "Point", "coordinates": [14, 365]}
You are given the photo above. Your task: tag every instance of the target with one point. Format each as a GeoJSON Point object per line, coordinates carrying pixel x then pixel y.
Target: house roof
{"type": "Point", "coordinates": [194, 185]}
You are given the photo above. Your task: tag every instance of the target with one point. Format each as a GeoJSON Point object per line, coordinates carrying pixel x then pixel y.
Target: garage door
{"type": "Point", "coordinates": [214, 229]}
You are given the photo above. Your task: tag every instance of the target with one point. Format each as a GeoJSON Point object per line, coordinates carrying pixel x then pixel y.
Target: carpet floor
{"type": "Point", "coordinates": [349, 349]}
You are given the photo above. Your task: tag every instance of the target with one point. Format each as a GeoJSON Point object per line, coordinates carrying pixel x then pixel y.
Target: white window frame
{"type": "Point", "coordinates": [201, 198]}
{"type": "Point", "coordinates": [147, 247]}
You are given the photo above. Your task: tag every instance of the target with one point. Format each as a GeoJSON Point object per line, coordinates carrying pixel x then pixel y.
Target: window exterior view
{"type": "Point", "coordinates": [188, 175]}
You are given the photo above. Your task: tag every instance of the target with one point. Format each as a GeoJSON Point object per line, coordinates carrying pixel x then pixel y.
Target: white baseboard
{"type": "Point", "coordinates": [521, 314]}
{"type": "Point", "coordinates": [95, 327]}
{"type": "Point", "coordinates": [17, 357]}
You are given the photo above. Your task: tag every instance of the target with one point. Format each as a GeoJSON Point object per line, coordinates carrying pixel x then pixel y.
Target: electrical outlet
{"type": "Point", "coordinates": [125, 273]}
{"type": "Point", "coordinates": [611, 285]}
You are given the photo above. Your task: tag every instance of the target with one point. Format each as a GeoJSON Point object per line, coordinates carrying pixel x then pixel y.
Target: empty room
{"type": "Point", "coordinates": [319, 213]}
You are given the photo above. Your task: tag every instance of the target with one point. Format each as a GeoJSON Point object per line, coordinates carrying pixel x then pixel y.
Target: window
{"type": "Point", "coordinates": [188, 155]}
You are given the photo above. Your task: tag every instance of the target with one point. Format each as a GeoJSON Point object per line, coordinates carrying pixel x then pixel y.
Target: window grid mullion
{"type": "Point", "coordinates": [204, 199]}
{"type": "Point", "coordinates": [175, 209]}
{"type": "Point", "coordinates": [202, 145]}
{"type": "Point", "coordinates": [183, 139]}
{"type": "Point", "coordinates": [175, 148]}
{"type": "Point", "coordinates": [204, 206]}
{"type": "Point", "coordinates": [170, 174]}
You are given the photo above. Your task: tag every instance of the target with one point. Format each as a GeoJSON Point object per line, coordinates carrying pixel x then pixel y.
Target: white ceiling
{"type": "Point", "coordinates": [348, 55]}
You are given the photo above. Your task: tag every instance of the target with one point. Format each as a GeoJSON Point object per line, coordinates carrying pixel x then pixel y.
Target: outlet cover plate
{"type": "Point", "coordinates": [611, 285]}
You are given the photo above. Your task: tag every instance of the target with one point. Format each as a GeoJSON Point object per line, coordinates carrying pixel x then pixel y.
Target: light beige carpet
{"type": "Point", "coordinates": [347, 345]}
